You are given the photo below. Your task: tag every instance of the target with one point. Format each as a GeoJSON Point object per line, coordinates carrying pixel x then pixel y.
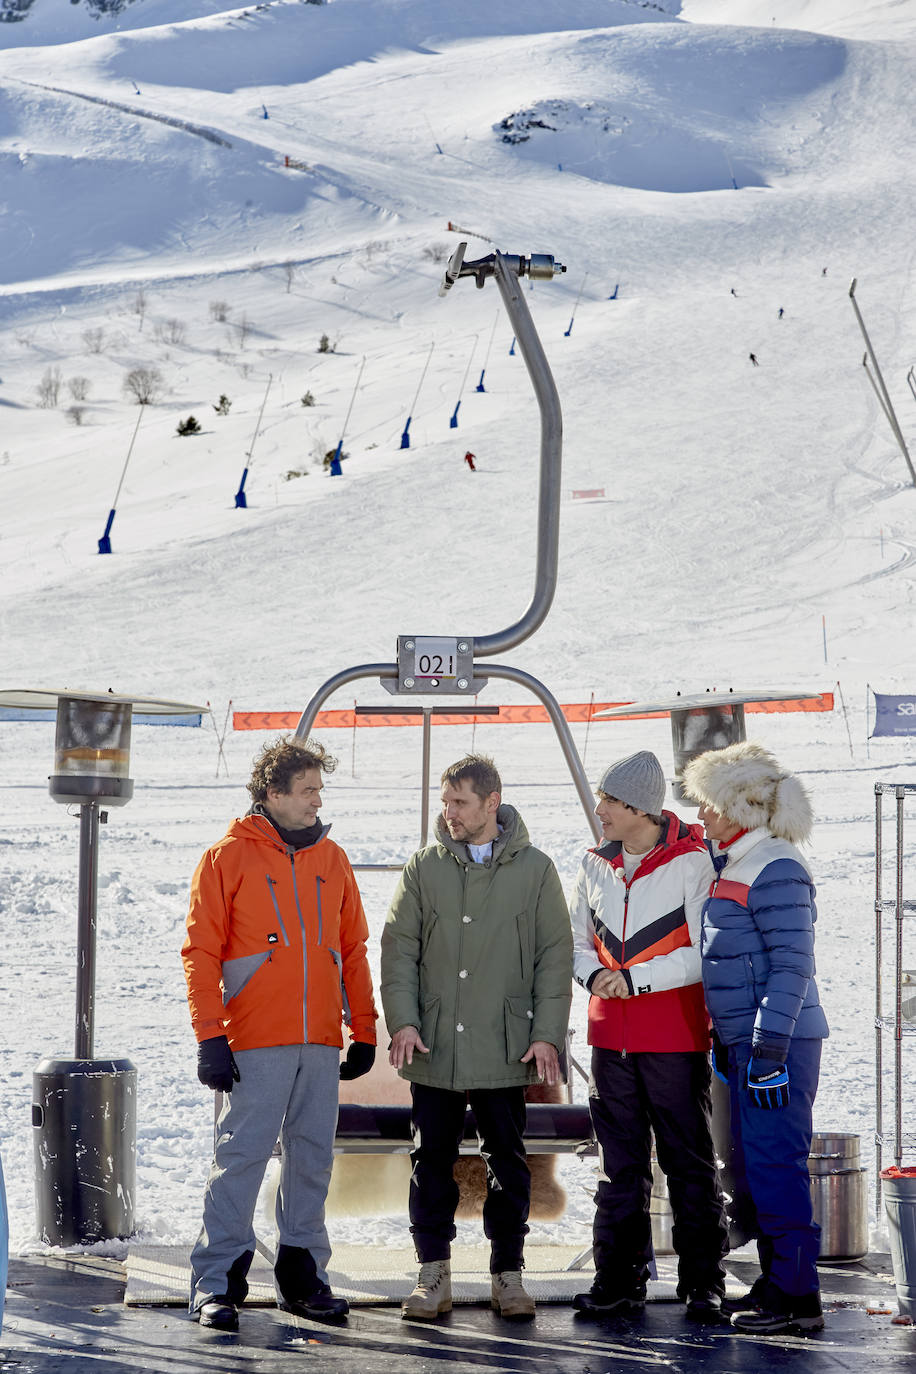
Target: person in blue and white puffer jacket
{"type": "Point", "coordinates": [758, 977]}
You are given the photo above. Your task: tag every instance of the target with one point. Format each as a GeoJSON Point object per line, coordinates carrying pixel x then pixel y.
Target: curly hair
{"type": "Point", "coordinates": [480, 772]}
{"type": "Point", "coordinates": [279, 763]}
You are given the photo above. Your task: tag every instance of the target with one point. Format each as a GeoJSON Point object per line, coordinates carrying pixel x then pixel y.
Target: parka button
{"type": "Point", "coordinates": [530, 1015]}
{"type": "Point", "coordinates": [463, 973]}
{"type": "Point", "coordinates": [459, 1027]}
{"type": "Point", "coordinates": [466, 920]}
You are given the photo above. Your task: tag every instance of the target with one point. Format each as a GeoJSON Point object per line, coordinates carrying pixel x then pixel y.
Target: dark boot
{"type": "Point", "coordinates": [777, 1311]}
{"type": "Point", "coordinates": [609, 1297]}
{"type": "Point", "coordinates": [747, 1301]}
{"type": "Point", "coordinates": [299, 1289]}
{"type": "Point", "coordinates": [219, 1313]}
{"type": "Point", "coordinates": [222, 1311]}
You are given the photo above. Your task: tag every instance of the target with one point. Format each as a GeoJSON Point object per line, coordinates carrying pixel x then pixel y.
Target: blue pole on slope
{"type": "Point", "coordinates": [335, 468]}
{"type": "Point", "coordinates": [405, 437]}
{"type": "Point", "coordinates": [105, 541]}
{"type": "Point", "coordinates": [512, 347]}
{"type": "Point", "coordinates": [480, 385]}
{"type": "Point", "coordinates": [613, 295]}
{"type": "Point", "coordinates": [453, 422]}
{"type": "Point", "coordinates": [241, 501]}
{"type": "Point", "coordinates": [567, 332]}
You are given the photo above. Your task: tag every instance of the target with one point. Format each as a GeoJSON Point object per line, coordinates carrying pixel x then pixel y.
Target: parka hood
{"type": "Point", "coordinates": [513, 836]}
{"type": "Point", "coordinates": [744, 783]}
{"type": "Point", "coordinates": [257, 826]}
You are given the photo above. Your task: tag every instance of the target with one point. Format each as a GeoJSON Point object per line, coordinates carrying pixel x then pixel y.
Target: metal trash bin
{"type": "Point", "coordinates": [84, 1112]}
{"type": "Point", "coordinates": [899, 1190]}
{"type": "Point", "coordinates": [839, 1195]}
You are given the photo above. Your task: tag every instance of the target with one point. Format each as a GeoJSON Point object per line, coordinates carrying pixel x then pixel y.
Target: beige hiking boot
{"type": "Point", "coordinates": [433, 1292]}
{"type": "Point", "coordinates": [508, 1297]}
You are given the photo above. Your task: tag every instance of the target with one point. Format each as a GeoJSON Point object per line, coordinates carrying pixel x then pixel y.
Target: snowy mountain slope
{"type": "Point", "coordinates": [741, 504]}
{"type": "Point", "coordinates": [782, 106]}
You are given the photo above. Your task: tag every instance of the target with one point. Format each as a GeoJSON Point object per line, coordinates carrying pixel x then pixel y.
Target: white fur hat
{"type": "Point", "coordinates": [744, 783]}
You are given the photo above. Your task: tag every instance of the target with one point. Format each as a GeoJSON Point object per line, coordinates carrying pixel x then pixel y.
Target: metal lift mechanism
{"type": "Point", "coordinates": [454, 657]}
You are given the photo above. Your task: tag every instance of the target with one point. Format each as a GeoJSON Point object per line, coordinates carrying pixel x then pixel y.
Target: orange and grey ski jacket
{"type": "Point", "coordinates": [275, 952]}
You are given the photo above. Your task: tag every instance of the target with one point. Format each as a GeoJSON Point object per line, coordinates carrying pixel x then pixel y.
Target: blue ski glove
{"type": "Point", "coordinates": [767, 1084]}
{"type": "Point", "coordinates": [359, 1060]}
{"type": "Point", "coordinates": [216, 1066]}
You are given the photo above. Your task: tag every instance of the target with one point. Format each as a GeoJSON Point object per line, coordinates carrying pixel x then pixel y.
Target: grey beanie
{"type": "Point", "coordinates": [637, 780]}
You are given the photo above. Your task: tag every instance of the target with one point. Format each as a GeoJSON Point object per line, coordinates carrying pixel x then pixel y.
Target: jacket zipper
{"type": "Point", "coordinates": [318, 881]}
{"type": "Point", "coordinates": [305, 957]}
{"type": "Point", "coordinates": [623, 954]}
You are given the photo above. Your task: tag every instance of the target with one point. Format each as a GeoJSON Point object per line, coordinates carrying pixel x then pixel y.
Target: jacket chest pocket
{"type": "Point", "coordinates": [275, 905]}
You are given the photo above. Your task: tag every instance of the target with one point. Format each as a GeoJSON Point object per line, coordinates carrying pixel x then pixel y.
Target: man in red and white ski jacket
{"type": "Point", "coordinates": [636, 915]}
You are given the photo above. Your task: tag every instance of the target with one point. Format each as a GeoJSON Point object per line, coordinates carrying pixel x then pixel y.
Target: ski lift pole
{"type": "Point", "coordinates": [888, 404]}
{"type": "Point", "coordinates": [453, 422]}
{"type": "Point", "coordinates": [241, 501]}
{"type": "Point", "coordinates": [105, 541]}
{"type": "Point", "coordinates": [335, 461]}
{"type": "Point", "coordinates": [405, 437]}
{"type": "Point", "coordinates": [567, 332]}
{"type": "Point", "coordinates": [480, 385]}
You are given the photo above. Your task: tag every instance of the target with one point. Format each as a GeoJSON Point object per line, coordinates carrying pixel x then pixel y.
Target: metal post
{"type": "Point", "coordinates": [879, 1030]}
{"type": "Point", "coordinates": [85, 930]}
{"type": "Point", "coordinates": [888, 404]}
{"type": "Point", "coordinates": [561, 726]}
{"type": "Point", "coordinates": [549, 491]}
{"type": "Point", "coordinates": [900, 793]}
{"type": "Point", "coordinates": [876, 390]}
{"type": "Point", "coordinates": [424, 798]}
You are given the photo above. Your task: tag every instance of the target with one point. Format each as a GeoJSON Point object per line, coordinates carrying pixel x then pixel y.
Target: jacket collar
{"type": "Point", "coordinates": [258, 825]}
{"type": "Point", "coordinates": [736, 849]}
{"type": "Point", "coordinates": [674, 832]}
{"type": "Point", "coordinates": [512, 837]}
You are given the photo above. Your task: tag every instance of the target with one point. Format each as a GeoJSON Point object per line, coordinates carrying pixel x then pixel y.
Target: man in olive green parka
{"type": "Point", "coordinates": [476, 987]}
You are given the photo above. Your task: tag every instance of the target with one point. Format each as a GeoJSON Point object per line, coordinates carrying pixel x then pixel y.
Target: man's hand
{"type": "Point", "coordinates": [403, 1044]}
{"type": "Point", "coordinates": [767, 1084]}
{"type": "Point", "coordinates": [610, 983]}
{"type": "Point", "coordinates": [719, 1059]}
{"type": "Point", "coordinates": [359, 1060]}
{"type": "Point", "coordinates": [545, 1057]}
{"type": "Point", "coordinates": [216, 1066]}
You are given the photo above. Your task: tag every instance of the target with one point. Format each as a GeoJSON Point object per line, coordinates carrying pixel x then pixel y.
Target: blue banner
{"type": "Point", "coordinates": [894, 715]}
{"type": "Point", "coordinates": [193, 719]}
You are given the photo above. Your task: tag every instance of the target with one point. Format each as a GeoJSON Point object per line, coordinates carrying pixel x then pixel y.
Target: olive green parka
{"type": "Point", "coordinates": [478, 957]}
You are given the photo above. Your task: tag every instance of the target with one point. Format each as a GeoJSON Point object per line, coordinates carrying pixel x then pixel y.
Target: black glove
{"type": "Point", "coordinates": [719, 1059]}
{"type": "Point", "coordinates": [216, 1067]}
{"type": "Point", "coordinates": [767, 1084]}
{"type": "Point", "coordinates": [359, 1060]}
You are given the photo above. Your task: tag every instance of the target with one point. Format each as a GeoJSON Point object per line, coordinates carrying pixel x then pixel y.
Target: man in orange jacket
{"type": "Point", "coordinates": [275, 960]}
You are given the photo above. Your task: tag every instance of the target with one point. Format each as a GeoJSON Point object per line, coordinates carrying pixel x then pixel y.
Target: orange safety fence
{"type": "Point", "coordinates": [575, 712]}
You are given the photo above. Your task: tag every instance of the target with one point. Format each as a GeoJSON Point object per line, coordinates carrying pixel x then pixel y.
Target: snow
{"type": "Point", "coordinates": [755, 532]}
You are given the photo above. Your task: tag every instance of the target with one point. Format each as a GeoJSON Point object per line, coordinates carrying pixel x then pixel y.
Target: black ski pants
{"type": "Point", "coordinates": [437, 1120]}
{"type": "Point", "coordinates": [629, 1094]}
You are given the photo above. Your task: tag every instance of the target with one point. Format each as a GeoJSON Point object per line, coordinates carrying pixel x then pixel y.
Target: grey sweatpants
{"type": "Point", "coordinates": [286, 1093]}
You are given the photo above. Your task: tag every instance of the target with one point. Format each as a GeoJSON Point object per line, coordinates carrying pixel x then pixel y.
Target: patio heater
{"type": "Point", "coordinates": [84, 1109]}
{"type": "Point", "coordinates": [704, 720]}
